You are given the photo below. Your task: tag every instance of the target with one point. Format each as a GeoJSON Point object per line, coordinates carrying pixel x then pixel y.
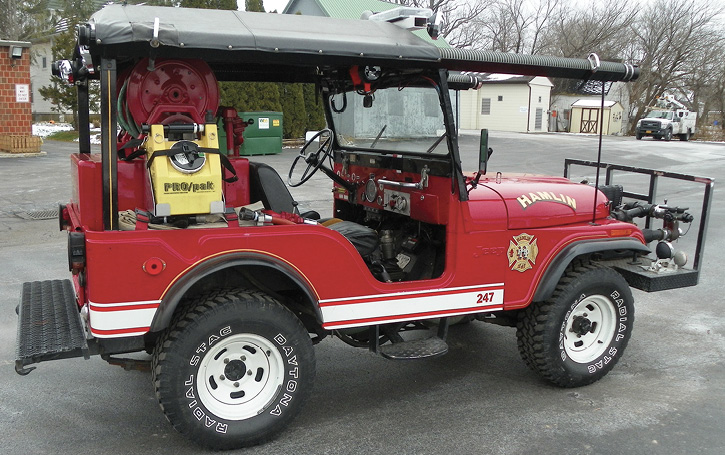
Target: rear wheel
{"type": "Point", "coordinates": [233, 370]}
{"type": "Point", "coordinates": [685, 136]}
{"type": "Point", "coordinates": [577, 336]}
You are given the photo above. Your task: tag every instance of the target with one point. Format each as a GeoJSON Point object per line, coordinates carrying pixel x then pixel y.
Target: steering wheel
{"type": "Point", "coordinates": [314, 160]}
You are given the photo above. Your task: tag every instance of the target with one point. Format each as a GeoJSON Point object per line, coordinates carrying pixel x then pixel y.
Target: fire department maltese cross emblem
{"type": "Point", "coordinates": [522, 254]}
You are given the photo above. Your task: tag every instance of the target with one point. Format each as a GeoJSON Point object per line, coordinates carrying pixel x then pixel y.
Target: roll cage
{"type": "Point", "coordinates": [246, 46]}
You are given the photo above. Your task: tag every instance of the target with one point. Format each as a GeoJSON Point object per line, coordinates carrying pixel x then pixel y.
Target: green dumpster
{"type": "Point", "coordinates": [262, 137]}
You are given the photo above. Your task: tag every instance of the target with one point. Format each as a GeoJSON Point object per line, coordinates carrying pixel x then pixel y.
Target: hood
{"type": "Point", "coordinates": [534, 201]}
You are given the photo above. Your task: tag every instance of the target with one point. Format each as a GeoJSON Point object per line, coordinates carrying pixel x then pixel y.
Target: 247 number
{"type": "Point", "coordinates": [486, 297]}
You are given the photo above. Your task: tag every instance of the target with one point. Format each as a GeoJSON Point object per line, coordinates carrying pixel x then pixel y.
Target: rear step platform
{"type": "Point", "coordinates": [638, 277]}
{"type": "Point", "coordinates": [49, 325]}
{"type": "Point", "coordinates": [414, 349]}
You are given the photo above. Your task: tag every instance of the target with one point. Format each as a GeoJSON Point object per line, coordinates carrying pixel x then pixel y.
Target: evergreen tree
{"type": "Point", "coordinates": [254, 5]}
{"type": "Point", "coordinates": [313, 108]}
{"type": "Point", "coordinates": [24, 20]}
{"type": "Point", "coordinates": [293, 106]}
{"type": "Point", "coordinates": [209, 4]}
{"type": "Point", "coordinates": [62, 96]}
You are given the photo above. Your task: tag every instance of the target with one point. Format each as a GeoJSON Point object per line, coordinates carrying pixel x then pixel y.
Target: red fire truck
{"type": "Point", "coordinates": [181, 248]}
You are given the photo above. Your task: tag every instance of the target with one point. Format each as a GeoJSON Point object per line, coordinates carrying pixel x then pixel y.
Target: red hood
{"type": "Point", "coordinates": [536, 201]}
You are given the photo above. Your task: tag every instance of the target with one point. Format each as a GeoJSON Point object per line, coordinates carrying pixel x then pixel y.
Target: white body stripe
{"type": "Point", "coordinates": [121, 318]}
{"type": "Point", "coordinates": [481, 287]}
{"type": "Point", "coordinates": [122, 304]}
{"type": "Point", "coordinates": [353, 314]}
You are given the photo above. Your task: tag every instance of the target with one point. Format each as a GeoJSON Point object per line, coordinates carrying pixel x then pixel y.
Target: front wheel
{"type": "Point", "coordinates": [668, 135]}
{"type": "Point", "coordinates": [577, 336]}
{"type": "Point", "coordinates": [233, 370]}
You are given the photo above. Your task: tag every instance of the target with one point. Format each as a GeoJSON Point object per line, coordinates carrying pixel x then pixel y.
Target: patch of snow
{"type": "Point", "coordinates": [45, 129]}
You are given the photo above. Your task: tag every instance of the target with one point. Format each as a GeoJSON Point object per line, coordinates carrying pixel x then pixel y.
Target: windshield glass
{"type": "Point", "coordinates": [660, 114]}
{"type": "Point", "coordinates": [396, 120]}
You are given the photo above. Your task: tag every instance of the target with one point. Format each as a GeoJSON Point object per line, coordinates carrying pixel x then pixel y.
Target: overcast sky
{"type": "Point", "coordinates": [269, 5]}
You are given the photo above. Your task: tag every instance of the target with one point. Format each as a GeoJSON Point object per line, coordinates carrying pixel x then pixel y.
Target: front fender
{"type": "Point", "coordinates": [563, 259]}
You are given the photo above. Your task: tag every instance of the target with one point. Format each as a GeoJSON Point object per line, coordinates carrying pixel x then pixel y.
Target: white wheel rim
{"type": "Point", "coordinates": [597, 314]}
{"type": "Point", "coordinates": [239, 376]}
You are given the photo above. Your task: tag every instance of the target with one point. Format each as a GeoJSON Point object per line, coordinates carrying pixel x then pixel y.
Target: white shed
{"type": "Point", "coordinates": [586, 116]}
{"type": "Point", "coordinates": [507, 102]}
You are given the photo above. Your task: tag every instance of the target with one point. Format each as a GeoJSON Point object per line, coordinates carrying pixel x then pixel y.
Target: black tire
{"type": "Point", "coordinates": [587, 297]}
{"type": "Point", "coordinates": [685, 137]}
{"type": "Point", "coordinates": [638, 136]}
{"type": "Point", "coordinates": [233, 370]}
{"type": "Point", "coordinates": [668, 135]}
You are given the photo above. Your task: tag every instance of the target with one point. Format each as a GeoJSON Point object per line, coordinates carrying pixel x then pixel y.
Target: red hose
{"type": "Point", "coordinates": [277, 220]}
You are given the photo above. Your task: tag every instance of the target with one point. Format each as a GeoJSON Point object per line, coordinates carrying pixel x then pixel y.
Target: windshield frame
{"type": "Point", "coordinates": [331, 86]}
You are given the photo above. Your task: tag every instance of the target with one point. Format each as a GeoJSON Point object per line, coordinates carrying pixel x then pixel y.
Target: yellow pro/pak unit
{"type": "Point", "coordinates": [185, 179]}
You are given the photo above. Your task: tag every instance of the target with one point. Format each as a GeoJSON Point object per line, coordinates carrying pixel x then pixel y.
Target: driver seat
{"type": "Point", "coordinates": [266, 185]}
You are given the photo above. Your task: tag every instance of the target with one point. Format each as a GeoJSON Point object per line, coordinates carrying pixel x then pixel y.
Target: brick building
{"type": "Point", "coordinates": [15, 98]}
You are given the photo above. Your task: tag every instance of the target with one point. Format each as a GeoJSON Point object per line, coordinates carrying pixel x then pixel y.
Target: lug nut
{"type": "Point", "coordinates": [249, 373]}
{"type": "Point", "coordinates": [221, 377]}
{"type": "Point", "coordinates": [244, 357]}
{"type": "Point", "coordinates": [226, 360]}
{"type": "Point", "coordinates": [236, 384]}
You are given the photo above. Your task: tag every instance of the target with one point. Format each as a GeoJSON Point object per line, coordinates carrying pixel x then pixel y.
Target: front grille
{"type": "Point", "coordinates": [650, 125]}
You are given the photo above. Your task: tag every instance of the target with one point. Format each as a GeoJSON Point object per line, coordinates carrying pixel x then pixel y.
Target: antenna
{"type": "Point", "coordinates": [599, 154]}
{"type": "Point", "coordinates": [595, 63]}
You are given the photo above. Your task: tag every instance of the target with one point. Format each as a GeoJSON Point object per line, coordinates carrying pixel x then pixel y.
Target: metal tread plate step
{"type": "Point", "coordinates": [49, 324]}
{"type": "Point", "coordinates": [415, 349]}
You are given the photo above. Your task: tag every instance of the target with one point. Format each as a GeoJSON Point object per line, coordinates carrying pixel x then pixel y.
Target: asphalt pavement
{"type": "Point", "coordinates": [666, 395]}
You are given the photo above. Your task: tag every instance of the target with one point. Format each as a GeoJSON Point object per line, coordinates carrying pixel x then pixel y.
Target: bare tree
{"type": "Point", "coordinates": [590, 27]}
{"type": "Point", "coordinates": [456, 18]}
{"type": "Point", "coordinates": [669, 42]}
{"type": "Point", "coordinates": [515, 25]}
{"type": "Point", "coordinates": [703, 88]}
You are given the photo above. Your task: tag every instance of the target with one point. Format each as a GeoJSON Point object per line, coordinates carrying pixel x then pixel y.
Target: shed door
{"type": "Point", "coordinates": [538, 119]}
{"type": "Point", "coordinates": [589, 120]}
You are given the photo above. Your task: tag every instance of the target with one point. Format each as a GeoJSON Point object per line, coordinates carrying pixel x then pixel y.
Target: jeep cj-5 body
{"type": "Point", "coordinates": [223, 281]}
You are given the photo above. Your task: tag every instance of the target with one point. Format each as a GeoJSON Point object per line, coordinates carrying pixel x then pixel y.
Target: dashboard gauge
{"type": "Point", "coordinates": [371, 190]}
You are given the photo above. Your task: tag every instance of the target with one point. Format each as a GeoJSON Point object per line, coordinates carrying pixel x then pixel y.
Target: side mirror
{"type": "Point", "coordinates": [484, 152]}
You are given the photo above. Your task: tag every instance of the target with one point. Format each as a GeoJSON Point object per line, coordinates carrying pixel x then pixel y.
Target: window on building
{"type": "Point", "coordinates": [45, 62]}
{"type": "Point", "coordinates": [539, 99]}
{"type": "Point", "coordinates": [486, 106]}
{"type": "Point", "coordinates": [500, 97]}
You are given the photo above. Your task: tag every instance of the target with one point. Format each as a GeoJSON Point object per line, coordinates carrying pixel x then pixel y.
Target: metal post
{"type": "Point", "coordinates": [108, 144]}
{"type": "Point", "coordinates": [84, 130]}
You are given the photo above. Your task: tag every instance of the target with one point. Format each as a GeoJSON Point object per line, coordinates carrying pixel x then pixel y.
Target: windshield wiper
{"type": "Point", "coordinates": [435, 144]}
{"type": "Point", "coordinates": [377, 138]}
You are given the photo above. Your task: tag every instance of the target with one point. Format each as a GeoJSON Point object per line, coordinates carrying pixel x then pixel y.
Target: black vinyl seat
{"type": "Point", "coordinates": [266, 185]}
